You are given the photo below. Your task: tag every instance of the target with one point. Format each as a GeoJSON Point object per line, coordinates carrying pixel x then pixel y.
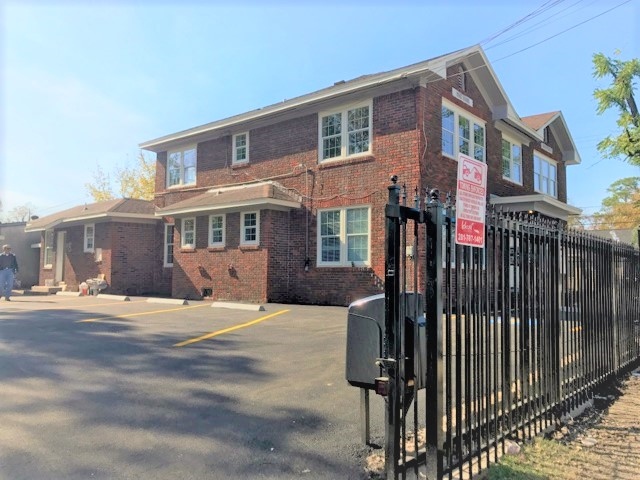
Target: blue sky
{"type": "Point", "coordinates": [82, 84]}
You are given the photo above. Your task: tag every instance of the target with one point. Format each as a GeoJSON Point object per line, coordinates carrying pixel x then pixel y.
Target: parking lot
{"type": "Point", "coordinates": [98, 388]}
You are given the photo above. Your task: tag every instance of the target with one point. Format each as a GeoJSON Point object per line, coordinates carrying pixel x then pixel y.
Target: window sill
{"type": "Point", "coordinates": [249, 247]}
{"type": "Point", "coordinates": [220, 248]}
{"type": "Point", "coordinates": [187, 249]}
{"type": "Point", "coordinates": [512, 181]}
{"type": "Point", "coordinates": [182, 185]}
{"type": "Point", "coordinates": [341, 162]}
{"type": "Point", "coordinates": [236, 166]}
{"type": "Point", "coordinates": [47, 267]}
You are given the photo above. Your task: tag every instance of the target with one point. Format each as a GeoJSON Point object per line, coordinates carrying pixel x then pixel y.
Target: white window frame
{"type": "Point", "coordinates": [169, 244]}
{"type": "Point", "coordinates": [343, 236]}
{"type": "Point", "coordinates": [344, 134]}
{"type": "Point", "coordinates": [236, 148]}
{"type": "Point", "coordinates": [89, 237]}
{"type": "Point", "coordinates": [220, 243]}
{"type": "Point", "coordinates": [512, 143]}
{"type": "Point", "coordinates": [49, 252]}
{"type": "Point", "coordinates": [545, 184]}
{"type": "Point", "coordinates": [183, 233]}
{"type": "Point", "coordinates": [181, 175]}
{"type": "Point", "coordinates": [455, 134]}
{"type": "Point", "coordinates": [244, 228]}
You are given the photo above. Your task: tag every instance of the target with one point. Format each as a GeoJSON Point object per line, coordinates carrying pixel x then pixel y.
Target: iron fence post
{"type": "Point", "coordinates": [433, 314]}
{"type": "Point", "coordinates": [392, 316]}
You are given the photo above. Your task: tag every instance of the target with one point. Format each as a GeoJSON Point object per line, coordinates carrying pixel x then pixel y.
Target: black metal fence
{"type": "Point", "coordinates": [518, 334]}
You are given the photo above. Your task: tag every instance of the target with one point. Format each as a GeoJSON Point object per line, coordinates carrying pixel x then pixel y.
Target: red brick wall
{"type": "Point", "coordinates": [406, 142]}
{"type": "Point", "coordinates": [131, 258]}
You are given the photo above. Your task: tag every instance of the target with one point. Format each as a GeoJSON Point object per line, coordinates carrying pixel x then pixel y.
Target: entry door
{"type": "Point", "coordinates": [59, 257]}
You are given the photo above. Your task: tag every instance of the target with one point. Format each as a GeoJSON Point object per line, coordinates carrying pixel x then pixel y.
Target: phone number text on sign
{"type": "Point", "coordinates": [471, 202]}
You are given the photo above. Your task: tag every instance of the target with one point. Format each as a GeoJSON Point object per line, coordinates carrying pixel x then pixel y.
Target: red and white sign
{"type": "Point", "coordinates": [471, 201]}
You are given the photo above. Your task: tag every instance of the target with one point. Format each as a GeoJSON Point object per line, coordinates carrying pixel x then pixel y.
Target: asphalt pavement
{"type": "Point", "coordinates": [104, 389]}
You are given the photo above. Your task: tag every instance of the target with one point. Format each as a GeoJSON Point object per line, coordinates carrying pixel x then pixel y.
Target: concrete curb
{"type": "Point", "coordinates": [172, 301]}
{"type": "Point", "coordinates": [238, 306]}
{"type": "Point", "coordinates": [107, 296]}
{"type": "Point", "coordinates": [69, 294]}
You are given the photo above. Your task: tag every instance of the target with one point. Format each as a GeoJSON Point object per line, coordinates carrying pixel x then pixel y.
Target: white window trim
{"type": "Point", "coordinates": [343, 111]}
{"type": "Point", "coordinates": [457, 111]}
{"type": "Point", "coordinates": [182, 233]}
{"type": "Point", "coordinates": [512, 142]}
{"type": "Point", "coordinates": [51, 250]}
{"type": "Point", "coordinates": [91, 249]}
{"type": "Point", "coordinates": [166, 245]}
{"type": "Point", "coordinates": [224, 227]}
{"type": "Point", "coordinates": [242, 228]}
{"type": "Point", "coordinates": [343, 238]}
{"type": "Point", "coordinates": [551, 162]}
{"type": "Point", "coordinates": [235, 160]}
{"type": "Point", "coordinates": [182, 182]}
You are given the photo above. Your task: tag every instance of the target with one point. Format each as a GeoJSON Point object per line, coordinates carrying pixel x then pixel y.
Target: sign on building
{"type": "Point", "coordinates": [471, 201]}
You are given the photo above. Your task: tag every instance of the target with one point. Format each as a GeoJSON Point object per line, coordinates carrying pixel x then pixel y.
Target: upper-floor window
{"type": "Point", "coordinates": [188, 234]}
{"type": "Point", "coordinates": [241, 148]}
{"type": "Point", "coordinates": [89, 237]}
{"type": "Point", "coordinates": [343, 237]}
{"type": "Point", "coordinates": [168, 245]}
{"type": "Point", "coordinates": [545, 175]}
{"type": "Point", "coordinates": [216, 230]}
{"type": "Point", "coordinates": [345, 132]}
{"type": "Point", "coordinates": [250, 228]}
{"type": "Point", "coordinates": [512, 161]}
{"type": "Point", "coordinates": [181, 167]}
{"type": "Point", "coordinates": [462, 133]}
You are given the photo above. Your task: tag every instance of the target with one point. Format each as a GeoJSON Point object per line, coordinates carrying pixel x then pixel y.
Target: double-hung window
{"type": "Point", "coordinates": [48, 248]}
{"type": "Point", "coordinates": [181, 167]}
{"type": "Point", "coordinates": [346, 132]}
{"type": "Point", "coordinates": [188, 234]}
{"type": "Point", "coordinates": [462, 133]}
{"type": "Point", "coordinates": [250, 228]}
{"type": "Point", "coordinates": [89, 237]}
{"type": "Point", "coordinates": [344, 237]}
{"type": "Point", "coordinates": [168, 245]}
{"type": "Point", "coordinates": [241, 148]}
{"type": "Point", "coordinates": [512, 160]}
{"type": "Point", "coordinates": [545, 175]}
{"type": "Point", "coordinates": [216, 230]}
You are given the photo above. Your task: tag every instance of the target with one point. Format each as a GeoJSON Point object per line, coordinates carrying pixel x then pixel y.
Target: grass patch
{"type": "Point", "coordinates": [540, 460]}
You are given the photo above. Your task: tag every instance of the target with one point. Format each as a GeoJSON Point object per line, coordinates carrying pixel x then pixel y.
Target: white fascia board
{"type": "Point", "coordinates": [538, 199]}
{"type": "Point", "coordinates": [48, 226]}
{"type": "Point", "coordinates": [270, 203]}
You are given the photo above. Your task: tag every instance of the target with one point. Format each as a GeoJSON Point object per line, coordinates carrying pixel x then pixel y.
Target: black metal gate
{"type": "Point", "coordinates": [495, 344]}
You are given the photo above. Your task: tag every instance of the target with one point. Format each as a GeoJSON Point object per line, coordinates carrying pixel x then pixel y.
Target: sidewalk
{"type": "Point", "coordinates": [613, 444]}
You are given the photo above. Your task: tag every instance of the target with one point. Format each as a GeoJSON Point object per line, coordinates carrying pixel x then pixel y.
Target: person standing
{"type": "Point", "coordinates": [8, 269]}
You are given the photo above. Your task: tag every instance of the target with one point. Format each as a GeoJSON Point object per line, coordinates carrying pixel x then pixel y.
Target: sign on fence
{"type": "Point", "coordinates": [471, 200]}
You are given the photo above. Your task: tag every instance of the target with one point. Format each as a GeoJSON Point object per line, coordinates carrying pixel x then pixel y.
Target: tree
{"type": "Point", "coordinates": [619, 95]}
{"type": "Point", "coordinates": [21, 213]}
{"type": "Point", "coordinates": [621, 209]}
{"type": "Point", "coordinates": [134, 181]}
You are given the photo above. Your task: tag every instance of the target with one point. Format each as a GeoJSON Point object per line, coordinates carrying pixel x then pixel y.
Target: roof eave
{"type": "Point", "coordinates": [265, 203]}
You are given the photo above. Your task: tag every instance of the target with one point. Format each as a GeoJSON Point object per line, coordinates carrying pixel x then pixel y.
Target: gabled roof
{"type": "Point", "coordinates": [474, 59]}
{"type": "Point", "coordinates": [555, 121]}
{"type": "Point", "coordinates": [267, 195]}
{"type": "Point", "coordinates": [122, 209]}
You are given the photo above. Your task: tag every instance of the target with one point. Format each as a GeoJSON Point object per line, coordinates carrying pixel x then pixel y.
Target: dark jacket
{"type": "Point", "coordinates": [8, 260]}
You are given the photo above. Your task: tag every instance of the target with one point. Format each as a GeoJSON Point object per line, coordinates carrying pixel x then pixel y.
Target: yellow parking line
{"type": "Point", "coordinates": [140, 314]}
{"type": "Point", "coordinates": [230, 329]}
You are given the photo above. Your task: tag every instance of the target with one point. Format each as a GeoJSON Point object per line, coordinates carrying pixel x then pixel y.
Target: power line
{"type": "Point", "coordinates": [563, 31]}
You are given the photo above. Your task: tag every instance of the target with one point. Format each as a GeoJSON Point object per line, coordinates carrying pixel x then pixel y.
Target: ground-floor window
{"type": "Point", "coordinates": [168, 245]}
{"type": "Point", "coordinates": [344, 236]}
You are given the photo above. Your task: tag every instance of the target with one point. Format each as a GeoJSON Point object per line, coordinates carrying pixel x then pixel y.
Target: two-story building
{"type": "Point", "coordinates": [286, 203]}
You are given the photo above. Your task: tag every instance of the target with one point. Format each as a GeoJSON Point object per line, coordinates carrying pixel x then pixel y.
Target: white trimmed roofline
{"type": "Point", "coordinates": [263, 202]}
{"type": "Point", "coordinates": [132, 217]}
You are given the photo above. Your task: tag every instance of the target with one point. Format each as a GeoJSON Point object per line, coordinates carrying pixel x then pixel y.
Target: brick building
{"type": "Point", "coordinates": [286, 203]}
{"type": "Point", "coordinates": [118, 240]}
